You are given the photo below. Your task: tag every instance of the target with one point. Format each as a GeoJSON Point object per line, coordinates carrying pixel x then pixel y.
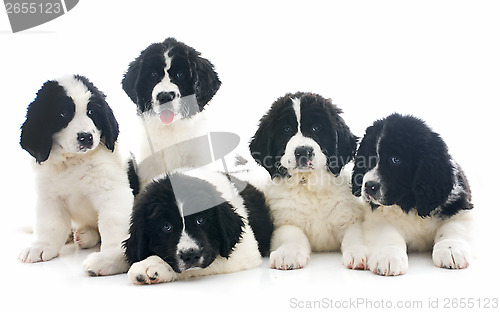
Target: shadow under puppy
{"type": "Point", "coordinates": [196, 223]}
{"type": "Point", "coordinates": [71, 132]}
{"type": "Point", "coordinates": [420, 196]}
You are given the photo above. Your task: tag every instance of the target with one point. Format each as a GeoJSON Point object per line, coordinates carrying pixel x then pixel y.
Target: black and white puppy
{"type": "Point", "coordinates": [419, 195]}
{"type": "Point", "coordinates": [304, 143]}
{"type": "Point", "coordinates": [194, 224]}
{"type": "Point", "coordinates": [71, 132]}
{"type": "Point", "coordinates": [171, 84]}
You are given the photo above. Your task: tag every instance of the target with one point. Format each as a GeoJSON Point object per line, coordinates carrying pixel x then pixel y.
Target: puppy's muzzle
{"type": "Point", "coordinates": [304, 156]}
{"type": "Point", "coordinates": [85, 140]}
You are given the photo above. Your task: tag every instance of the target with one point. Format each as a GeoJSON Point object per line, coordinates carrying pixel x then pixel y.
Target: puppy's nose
{"type": "Point", "coordinates": [303, 154]}
{"type": "Point", "coordinates": [85, 139]}
{"type": "Point", "coordinates": [372, 187]}
{"type": "Point", "coordinates": [165, 97]}
{"type": "Point", "coordinates": [190, 257]}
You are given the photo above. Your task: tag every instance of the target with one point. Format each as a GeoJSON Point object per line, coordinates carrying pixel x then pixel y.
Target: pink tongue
{"type": "Point", "coordinates": [167, 116]}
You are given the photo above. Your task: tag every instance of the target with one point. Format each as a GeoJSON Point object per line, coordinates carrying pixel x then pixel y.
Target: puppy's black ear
{"type": "Point", "coordinates": [206, 80]}
{"type": "Point", "coordinates": [346, 142]}
{"type": "Point", "coordinates": [129, 80]}
{"type": "Point", "coordinates": [366, 156]}
{"type": "Point", "coordinates": [43, 119]}
{"type": "Point", "coordinates": [137, 245]}
{"type": "Point", "coordinates": [230, 228]}
{"type": "Point", "coordinates": [433, 180]}
{"type": "Point", "coordinates": [101, 114]}
{"type": "Point", "coordinates": [260, 146]}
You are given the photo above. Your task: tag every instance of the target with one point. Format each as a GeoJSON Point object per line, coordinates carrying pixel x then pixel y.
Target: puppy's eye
{"type": "Point", "coordinates": [287, 129]}
{"type": "Point", "coordinates": [154, 75]}
{"type": "Point", "coordinates": [167, 227]}
{"type": "Point", "coordinates": [180, 75]}
{"type": "Point", "coordinates": [200, 220]}
{"type": "Point", "coordinates": [316, 128]}
{"type": "Point", "coordinates": [395, 160]}
{"type": "Point", "coordinates": [90, 112]}
{"type": "Point", "coordinates": [63, 114]}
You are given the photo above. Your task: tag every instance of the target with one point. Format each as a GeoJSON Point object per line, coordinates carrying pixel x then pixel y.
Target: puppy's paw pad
{"type": "Point", "coordinates": [288, 257]}
{"type": "Point", "coordinates": [355, 258]}
{"type": "Point", "coordinates": [87, 237]}
{"type": "Point", "coordinates": [388, 261]}
{"type": "Point", "coordinates": [37, 253]}
{"type": "Point", "coordinates": [147, 272]}
{"type": "Point", "coordinates": [451, 254]}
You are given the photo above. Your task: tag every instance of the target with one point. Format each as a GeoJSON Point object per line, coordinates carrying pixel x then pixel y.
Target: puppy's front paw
{"type": "Point", "coordinates": [152, 270]}
{"type": "Point", "coordinates": [451, 254]}
{"type": "Point", "coordinates": [87, 237]}
{"type": "Point", "coordinates": [355, 257]}
{"type": "Point", "coordinates": [38, 252]}
{"type": "Point", "coordinates": [289, 257]}
{"type": "Point", "coordinates": [388, 261]}
{"type": "Point", "coordinates": [106, 262]}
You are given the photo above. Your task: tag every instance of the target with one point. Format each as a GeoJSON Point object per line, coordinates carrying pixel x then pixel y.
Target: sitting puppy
{"type": "Point", "coordinates": [420, 197]}
{"type": "Point", "coordinates": [304, 143]}
{"type": "Point", "coordinates": [170, 83]}
{"type": "Point", "coordinates": [195, 224]}
{"type": "Point", "coordinates": [71, 132]}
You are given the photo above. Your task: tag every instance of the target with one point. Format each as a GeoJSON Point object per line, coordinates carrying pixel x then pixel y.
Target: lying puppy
{"type": "Point", "coordinates": [195, 224]}
{"type": "Point", "coordinates": [71, 132]}
{"type": "Point", "coordinates": [170, 83]}
{"type": "Point", "coordinates": [420, 197]}
{"type": "Point", "coordinates": [304, 143]}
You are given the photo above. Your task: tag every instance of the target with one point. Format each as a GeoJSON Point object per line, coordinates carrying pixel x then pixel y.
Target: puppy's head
{"type": "Point", "coordinates": [402, 161]}
{"type": "Point", "coordinates": [302, 132]}
{"type": "Point", "coordinates": [169, 224]}
{"type": "Point", "coordinates": [70, 113]}
{"type": "Point", "coordinates": [170, 79]}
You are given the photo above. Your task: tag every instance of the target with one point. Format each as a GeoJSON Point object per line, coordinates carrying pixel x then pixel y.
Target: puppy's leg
{"type": "Point", "coordinates": [354, 250]}
{"type": "Point", "coordinates": [87, 237]}
{"type": "Point", "coordinates": [291, 248]}
{"type": "Point", "coordinates": [152, 270]}
{"type": "Point", "coordinates": [451, 248]}
{"type": "Point", "coordinates": [113, 209]}
{"type": "Point", "coordinates": [387, 250]}
{"type": "Point", "coordinates": [53, 224]}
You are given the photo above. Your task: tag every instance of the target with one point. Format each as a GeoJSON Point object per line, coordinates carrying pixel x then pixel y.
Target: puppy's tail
{"type": "Point", "coordinates": [133, 177]}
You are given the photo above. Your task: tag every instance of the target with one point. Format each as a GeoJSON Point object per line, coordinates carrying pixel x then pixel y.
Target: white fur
{"type": "Point", "coordinates": [87, 188]}
{"type": "Point", "coordinates": [390, 232]}
{"type": "Point", "coordinates": [245, 255]}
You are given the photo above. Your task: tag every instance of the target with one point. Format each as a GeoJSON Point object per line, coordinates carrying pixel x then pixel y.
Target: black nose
{"type": "Point", "coordinates": [372, 187]}
{"type": "Point", "coordinates": [303, 154]}
{"type": "Point", "coordinates": [165, 97]}
{"type": "Point", "coordinates": [85, 139]}
{"type": "Point", "coordinates": [190, 257]}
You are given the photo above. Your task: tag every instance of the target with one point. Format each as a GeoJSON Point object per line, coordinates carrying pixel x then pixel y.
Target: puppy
{"type": "Point", "coordinates": [196, 223]}
{"type": "Point", "coordinates": [304, 143]}
{"type": "Point", "coordinates": [71, 133]}
{"type": "Point", "coordinates": [419, 195]}
{"type": "Point", "coordinates": [170, 83]}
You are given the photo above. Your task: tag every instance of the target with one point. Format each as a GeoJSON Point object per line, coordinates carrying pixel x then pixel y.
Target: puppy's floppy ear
{"type": "Point", "coordinates": [129, 80]}
{"type": "Point", "coordinates": [206, 80]}
{"type": "Point", "coordinates": [137, 245]}
{"type": "Point", "coordinates": [230, 228]}
{"type": "Point", "coordinates": [41, 124]}
{"type": "Point", "coordinates": [433, 180]}
{"type": "Point", "coordinates": [346, 142]}
{"type": "Point", "coordinates": [366, 156]}
{"type": "Point", "coordinates": [260, 146]}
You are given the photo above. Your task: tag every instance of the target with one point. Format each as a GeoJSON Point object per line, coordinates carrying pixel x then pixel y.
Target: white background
{"type": "Point", "coordinates": [438, 60]}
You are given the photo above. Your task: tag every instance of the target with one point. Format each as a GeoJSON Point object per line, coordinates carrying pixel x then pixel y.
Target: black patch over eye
{"type": "Point", "coordinates": [200, 220]}
{"type": "Point", "coordinates": [167, 228]}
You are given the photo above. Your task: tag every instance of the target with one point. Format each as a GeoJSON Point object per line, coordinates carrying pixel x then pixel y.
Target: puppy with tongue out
{"type": "Point", "coordinates": [170, 84]}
